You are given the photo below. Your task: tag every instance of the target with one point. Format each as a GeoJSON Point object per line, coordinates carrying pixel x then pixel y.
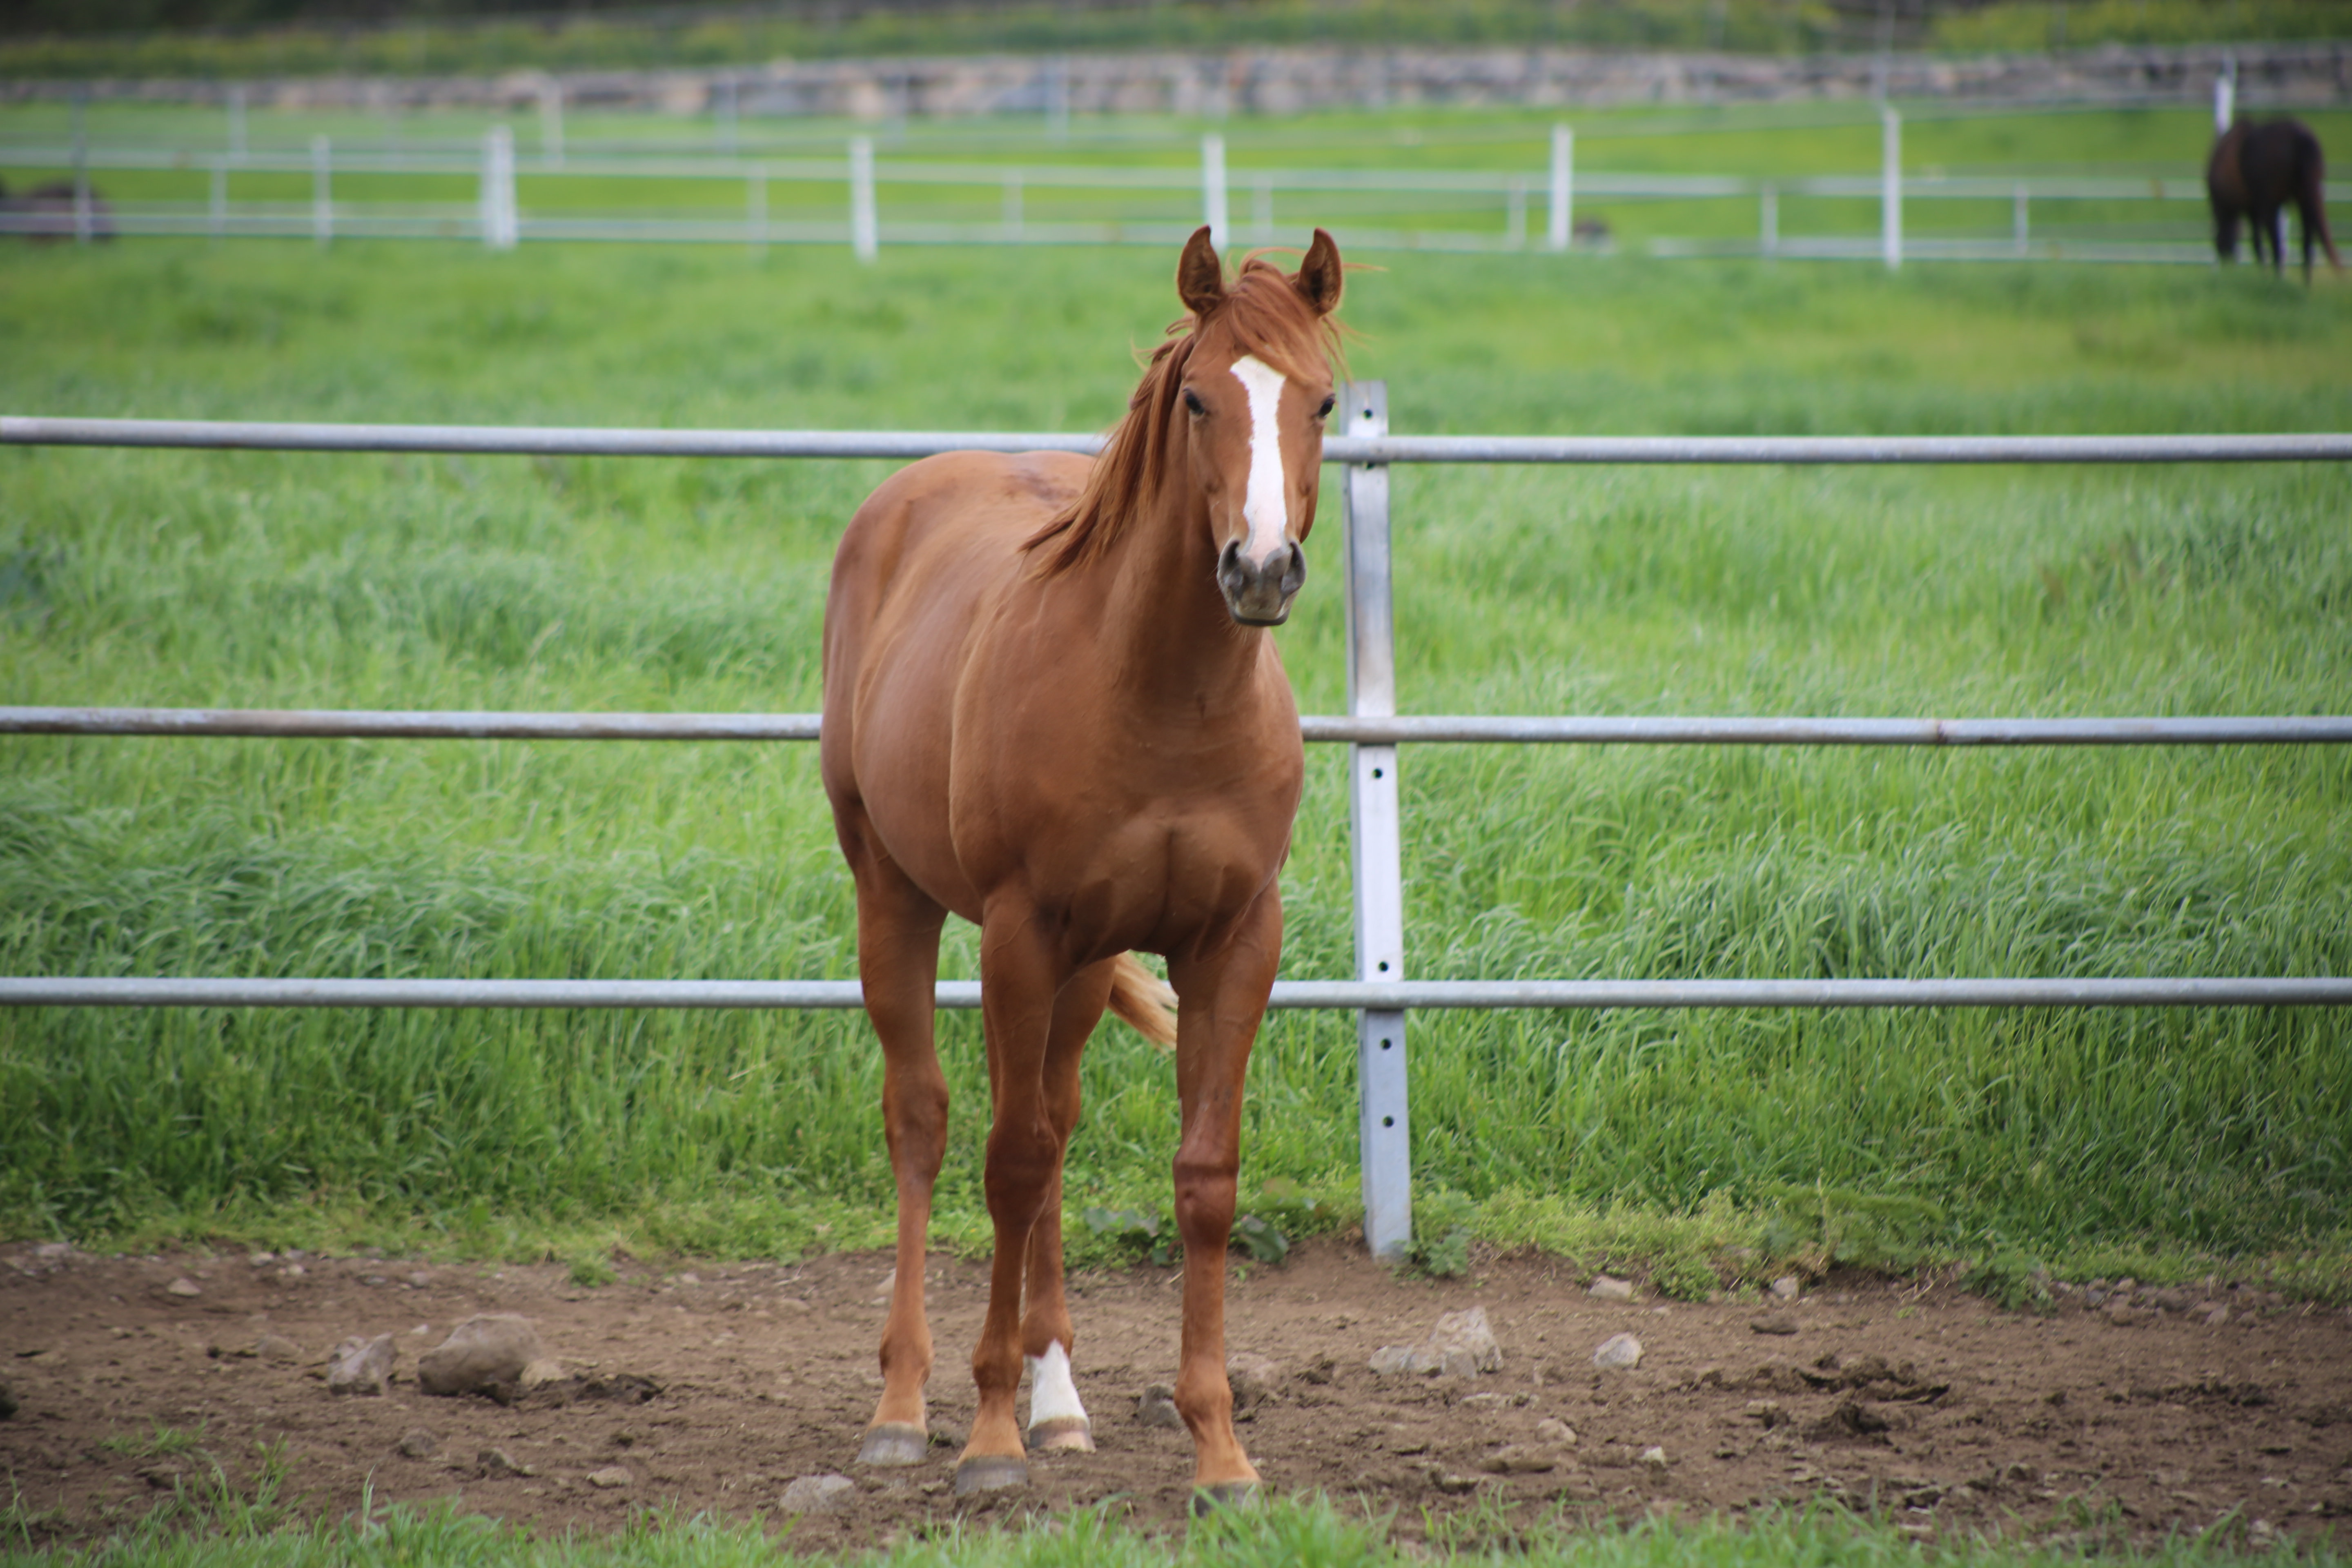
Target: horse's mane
{"type": "Point", "coordinates": [1268, 318]}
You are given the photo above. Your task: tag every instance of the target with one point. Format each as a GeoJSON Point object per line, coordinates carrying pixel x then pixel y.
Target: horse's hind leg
{"type": "Point", "coordinates": [898, 964]}
{"type": "Point", "coordinates": [1057, 1417]}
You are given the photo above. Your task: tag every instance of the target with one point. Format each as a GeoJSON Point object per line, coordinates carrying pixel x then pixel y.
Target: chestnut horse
{"type": "Point", "coordinates": [1051, 705]}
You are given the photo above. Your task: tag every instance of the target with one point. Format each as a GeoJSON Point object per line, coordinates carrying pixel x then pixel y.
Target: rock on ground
{"type": "Point", "coordinates": [362, 1365]}
{"type": "Point", "coordinates": [420, 1444]}
{"type": "Point", "coordinates": [1604, 1289]}
{"type": "Point", "coordinates": [1156, 1407]}
{"type": "Point", "coordinates": [1462, 1345]}
{"type": "Point", "coordinates": [610, 1477]}
{"type": "Point", "coordinates": [1254, 1379]}
{"type": "Point", "coordinates": [481, 1353]}
{"type": "Point", "coordinates": [1617, 1353]}
{"type": "Point", "coordinates": [817, 1494]}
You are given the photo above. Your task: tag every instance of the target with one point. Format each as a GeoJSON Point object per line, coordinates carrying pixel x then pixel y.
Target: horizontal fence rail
{"type": "Point", "coordinates": [529, 440]}
{"type": "Point", "coordinates": [1297, 994]}
{"type": "Point", "coordinates": [287, 723]}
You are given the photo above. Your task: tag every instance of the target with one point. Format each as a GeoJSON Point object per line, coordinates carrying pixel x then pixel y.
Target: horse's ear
{"type": "Point", "coordinates": [1319, 279]}
{"type": "Point", "coordinates": [1200, 276]}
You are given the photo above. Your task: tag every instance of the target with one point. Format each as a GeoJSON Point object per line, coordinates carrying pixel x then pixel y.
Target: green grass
{"type": "Point", "coordinates": [2169, 1138]}
{"type": "Point", "coordinates": [1306, 1532]}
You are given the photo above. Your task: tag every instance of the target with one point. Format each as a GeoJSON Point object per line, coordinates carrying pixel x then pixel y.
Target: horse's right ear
{"type": "Point", "coordinates": [1200, 276]}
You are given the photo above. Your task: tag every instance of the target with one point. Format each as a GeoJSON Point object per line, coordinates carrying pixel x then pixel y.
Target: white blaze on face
{"type": "Point", "coordinates": [1052, 1394]}
{"type": "Point", "coordinates": [1265, 505]}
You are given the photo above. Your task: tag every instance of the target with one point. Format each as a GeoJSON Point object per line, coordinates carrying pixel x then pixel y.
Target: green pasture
{"type": "Point", "coordinates": [2162, 1140]}
{"type": "Point", "coordinates": [1289, 1533]}
{"type": "Point", "coordinates": [1785, 143]}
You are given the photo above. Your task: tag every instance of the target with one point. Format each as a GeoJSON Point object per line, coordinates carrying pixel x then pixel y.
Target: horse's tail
{"type": "Point", "coordinates": [1144, 1000]}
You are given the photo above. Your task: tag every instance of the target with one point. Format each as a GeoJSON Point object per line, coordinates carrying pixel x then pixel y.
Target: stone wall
{"type": "Point", "coordinates": [1272, 81]}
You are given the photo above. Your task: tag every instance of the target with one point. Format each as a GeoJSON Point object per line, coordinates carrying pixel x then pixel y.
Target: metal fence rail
{"type": "Point", "coordinates": [529, 440]}
{"type": "Point", "coordinates": [1323, 995]}
{"type": "Point", "coordinates": [1640, 730]}
{"type": "Point", "coordinates": [1379, 994]}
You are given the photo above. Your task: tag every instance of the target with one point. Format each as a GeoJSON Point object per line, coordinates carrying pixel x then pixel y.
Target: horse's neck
{"type": "Point", "coordinates": [1165, 620]}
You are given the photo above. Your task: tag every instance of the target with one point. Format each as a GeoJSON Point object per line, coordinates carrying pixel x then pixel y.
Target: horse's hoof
{"type": "Point", "coordinates": [1210, 1500]}
{"type": "Point", "coordinates": [895, 1443]}
{"type": "Point", "coordinates": [990, 1473]}
{"type": "Point", "coordinates": [1063, 1434]}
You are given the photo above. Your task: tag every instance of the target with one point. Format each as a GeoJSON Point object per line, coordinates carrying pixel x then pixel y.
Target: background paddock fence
{"type": "Point", "coordinates": [1379, 994]}
{"type": "Point", "coordinates": [840, 201]}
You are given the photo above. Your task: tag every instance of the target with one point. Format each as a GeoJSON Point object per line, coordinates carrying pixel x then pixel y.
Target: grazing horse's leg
{"type": "Point", "coordinates": [1058, 1419]}
{"type": "Point", "coordinates": [1019, 981]}
{"type": "Point", "coordinates": [898, 963]}
{"type": "Point", "coordinates": [1221, 1000]}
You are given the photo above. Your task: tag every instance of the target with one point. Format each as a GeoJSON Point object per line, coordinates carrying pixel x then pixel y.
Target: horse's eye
{"type": "Point", "coordinates": [1192, 401]}
{"type": "Point", "coordinates": [1325, 412]}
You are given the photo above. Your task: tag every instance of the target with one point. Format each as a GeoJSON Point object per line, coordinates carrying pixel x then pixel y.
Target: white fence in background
{"type": "Point", "coordinates": [1381, 995]}
{"type": "Point", "coordinates": [1150, 203]}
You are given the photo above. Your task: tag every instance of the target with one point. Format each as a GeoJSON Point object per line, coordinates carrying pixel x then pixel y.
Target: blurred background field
{"type": "Point", "coordinates": [2156, 1141]}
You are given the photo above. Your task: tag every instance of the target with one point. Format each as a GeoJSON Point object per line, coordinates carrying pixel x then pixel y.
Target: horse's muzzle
{"type": "Point", "coordinates": [1259, 594]}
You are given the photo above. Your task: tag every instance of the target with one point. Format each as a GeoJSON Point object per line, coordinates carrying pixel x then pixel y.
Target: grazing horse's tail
{"type": "Point", "coordinates": [1144, 1000]}
{"type": "Point", "coordinates": [2311, 200]}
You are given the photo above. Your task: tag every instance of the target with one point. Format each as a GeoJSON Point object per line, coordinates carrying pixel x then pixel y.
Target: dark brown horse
{"type": "Point", "coordinates": [2256, 171]}
{"type": "Point", "coordinates": [1053, 706]}
{"type": "Point", "coordinates": [47, 213]}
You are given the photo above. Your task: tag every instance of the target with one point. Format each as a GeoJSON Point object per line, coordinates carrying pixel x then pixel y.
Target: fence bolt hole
{"type": "Point", "coordinates": [1388, 1121]}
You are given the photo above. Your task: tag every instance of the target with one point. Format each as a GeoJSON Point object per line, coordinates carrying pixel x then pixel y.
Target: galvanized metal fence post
{"type": "Point", "coordinates": [1378, 860]}
{"type": "Point", "coordinates": [865, 222]}
{"type": "Point", "coordinates": [500, 229]}
{"type": "Point", "coordinates": [322, 191]}
{"type": "Point", "coordinates": [1890, 177]}
{"type": "Point", "coordinates": [1558, 220]}
{"type": "Point", "coordinates": [1212, 188]}
{"type": "Point", "coordinates": [237, 123]}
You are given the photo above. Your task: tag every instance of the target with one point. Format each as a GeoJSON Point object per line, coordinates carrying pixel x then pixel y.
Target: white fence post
{"type": "Point", "coordinates": [1559, 227]}
{"type": "Point", "coordinates": [218, 211]}
{"type": "Point", "coordinates": [1767, 219]}
{"type": "Point", "coordinates": [865, 223]}
{"type": "Point", "coordinates": [2016, 218]}
{"type": "Point", "coordinates": [1514, 216]}
{"type": "Point", "coordinates": [237, 123]}
{"type": "Point", "coordinates": [82, 224]}
{"type": "Point", "coordinates": [550, 121]}
{"type": "Point", "coordinates": [1013, 206]}
{"type": "Point", "coordinates": [755, 209]}
{"type": "Point", "coordinates": [501, 227]}
{"type": "Point", "coordinates": [2225, 95]}
{"type": "Point", "coordinates": [1212, 188]}
{"type": "Point", "coordinates": [322, 191]}
{"type": "Point", "coordinates": [1890, 236]}
{"type": "Point", "coordinates": [1384, 1129]}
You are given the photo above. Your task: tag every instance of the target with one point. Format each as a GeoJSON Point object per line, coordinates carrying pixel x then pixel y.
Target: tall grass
{"type": "Point", "coordinates": [273, 580]}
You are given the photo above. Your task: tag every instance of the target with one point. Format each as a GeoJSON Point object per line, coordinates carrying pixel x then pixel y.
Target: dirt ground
{"type": "Point", "coordinates": [709, 1387]}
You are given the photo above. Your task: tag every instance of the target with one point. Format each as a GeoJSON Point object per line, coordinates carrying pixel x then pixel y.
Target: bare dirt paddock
{"type": "Point", "coordinates": [709, 1387]}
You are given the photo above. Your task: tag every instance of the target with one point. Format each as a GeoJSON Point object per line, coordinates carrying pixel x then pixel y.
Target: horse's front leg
{"type": "Point", "coordinates": [1221, 998]}
{"type": "Point", "coordinates": [1057, 1417]}
{"type": "Point", "coordinates": [1019, 979]}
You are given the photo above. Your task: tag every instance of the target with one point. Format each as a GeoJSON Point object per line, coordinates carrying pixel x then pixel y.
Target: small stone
{"type": "Point", "coordinates": [1552, 1429]}
{"type": "Point", "coordinates": [275, 1347]}
{"type": "Point", "coordinates": [1253, 1379]}
{"type": "Point", "coordinates": [818, 1494]}
{"type": "Point", "coordinates": [420, 1444]}
{"type": "Point", "coordinates": [1617, 1353]}
{"type": "Point", "coordinates": [1655, 1461]}
{"type": "Point", "coordinates": [1773, 1323]}
{"type": "Point", "coordinates": [2123, 1315]}
{"type": "Point", "coordinates": [610, 1477]}
{"type": "Point", "coordinates": [362, 1365]}
{"type": "Point", "coordinates": [493, 1463]}
{"type": "Point", "coordinates": [483, 1352]}
{"type": "Point", "coordinates": [1394, 1361]}
{"type": "Point", "coordinates": [545, 1370]}
{"type": "Point", "coordinates": [1451, 1484]}
{"type": "Point", "coordinates": [1604, 1289]}
{"type": "Point", "coordinates": [183, 1285]}
{"type": "Point", "coordinates": [1785, 1288]}
{"type": "Point", "coordinates": [1766, 1412]}
{"type": "Point", "coordinates": [1156, 1407]}
{"type": "Point", "coordinates": [1463, 1344]}
{"type": "Point", "coordinates": [419, 1280]}
{"type": "Point", "coordinates": [1520, 1459]}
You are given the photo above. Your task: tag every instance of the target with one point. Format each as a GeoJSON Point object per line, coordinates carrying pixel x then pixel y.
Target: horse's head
{"type": "Point", "coordinates": [1255, 391]}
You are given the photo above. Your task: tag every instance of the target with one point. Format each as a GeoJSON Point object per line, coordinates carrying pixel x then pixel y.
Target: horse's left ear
{"type": "Point", "coordinates": [1318, 278]}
